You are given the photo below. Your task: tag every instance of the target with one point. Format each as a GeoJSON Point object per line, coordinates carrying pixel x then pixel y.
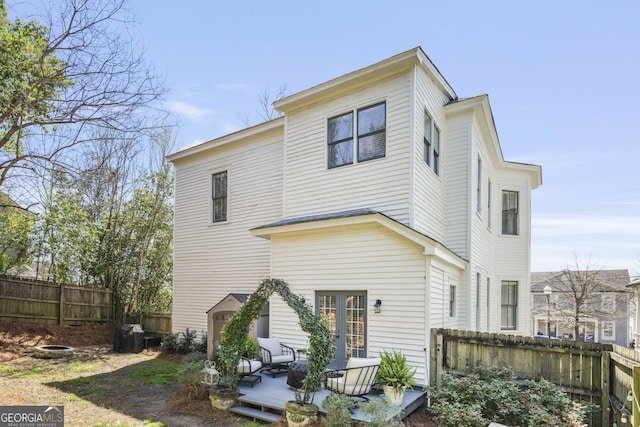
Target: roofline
{"type": "Point", "coordinates": [481, 105]}
{"type": "Point", "coordinates": [399, 62]}
{"type": "Point", "coordinates": [431, 246]}
{"type": "Point", "coordinates": [228, 139]}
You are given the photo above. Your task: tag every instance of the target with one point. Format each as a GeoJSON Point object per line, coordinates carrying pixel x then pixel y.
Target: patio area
{"type": "Point", "coordinates": [266, 399]}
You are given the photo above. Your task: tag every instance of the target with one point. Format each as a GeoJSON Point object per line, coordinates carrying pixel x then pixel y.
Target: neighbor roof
{"type": "Point", "coordinates": [611, 280]}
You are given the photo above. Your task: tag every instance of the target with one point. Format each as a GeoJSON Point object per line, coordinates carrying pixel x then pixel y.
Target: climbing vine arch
{"type": "Point", "coordinates": [234, 333]}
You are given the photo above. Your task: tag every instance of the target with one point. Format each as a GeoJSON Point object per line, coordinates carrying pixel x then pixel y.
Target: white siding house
{"type": "Point", "coordinates": [377, 186]}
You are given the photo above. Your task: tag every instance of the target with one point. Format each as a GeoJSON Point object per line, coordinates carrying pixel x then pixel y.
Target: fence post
{"type": "Point", "coordinates": [436, 358]}
{"type": "Point", "coordinates": [636, 395]}
{"type": "Point", "coordinates": [61, 303]}
{"type": "Point", "coordinates": [606, 386]}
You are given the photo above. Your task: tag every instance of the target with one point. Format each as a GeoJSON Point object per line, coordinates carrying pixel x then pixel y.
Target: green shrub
{"type": "Point", "coordinates": [381, 413]}
{"type": "Point", "coordinates": [251, 348]}
{"type": "Point", "coordinates": [338, 409]}
{"type": "Point", "coordinates": [170, 343]}
{"type": "Point", "coordinates": [195, 357]}
{"type": "Point", "coordinates": [491, 394]}
{"type": "Point", "coordinates": [192, 377]}
{"type": "Point", "coordinates": [185, 342]}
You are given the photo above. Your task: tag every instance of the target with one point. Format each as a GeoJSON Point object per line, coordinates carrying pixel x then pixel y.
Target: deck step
{"type": "Point", "coordinates": [255, 413]}
{"type": "Point", "coordinates": [273, 404]}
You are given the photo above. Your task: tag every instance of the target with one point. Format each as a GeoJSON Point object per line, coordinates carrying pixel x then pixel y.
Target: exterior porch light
{"type": "Point", "coordinates": [377, 306]}
{"type": "Point", "coordinates": [547, 292]}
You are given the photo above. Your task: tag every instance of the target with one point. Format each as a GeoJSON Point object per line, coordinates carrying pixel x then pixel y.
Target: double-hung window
{"type": "Point", "coordinates": [510, 212]}
{"type": "Point", "coordinates": [452, 301]}
{"type": "Point", "coordinates": [431, 140]}
{"type": "Point", "coordinates": [608, 330]}
{"type": "Point", "coordinates": [219, 197]}
{"type": "Point", "coordinates": [479, 186]}
{"type": "Point", "coordinates": [371, 132]}
{"type": "Point", "coordinates": [509, 305]}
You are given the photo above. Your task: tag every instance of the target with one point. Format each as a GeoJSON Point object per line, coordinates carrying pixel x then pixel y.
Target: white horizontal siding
{"type": "Point", "coordinates": [359, 258]}
{"type": "Point", "coordinates": [212, 260]}
{"type": "Point", "coordinates": [381, 184]}
{"type": "Point", "coordinates": [457, 165]}
{"type": "Point", "coordinates": [429, 191]}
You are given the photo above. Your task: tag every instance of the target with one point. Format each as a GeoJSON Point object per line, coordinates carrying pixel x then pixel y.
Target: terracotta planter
{"type": "Point", "coordinates": [394, 396]}
{"type": "Point", "coordinates": [223, 398]}
{"type": "Point", "coordinates": [301, 415]}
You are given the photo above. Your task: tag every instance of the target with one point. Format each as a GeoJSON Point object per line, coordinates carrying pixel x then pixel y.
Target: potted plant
{"type": "Point", "coordinates": [234, 344]}
{"type": "Point", "coordinates": [224, 393]}
{"type": "Point", "coordinates": [395, 376]}
{"type": "Point", "coordinates": [302, 410]}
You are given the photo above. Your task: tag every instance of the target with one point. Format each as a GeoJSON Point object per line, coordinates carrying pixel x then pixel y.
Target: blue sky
{"type": "Point", "coordinates": [562, 77]}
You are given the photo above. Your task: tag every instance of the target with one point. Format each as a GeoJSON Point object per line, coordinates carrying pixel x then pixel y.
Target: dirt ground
{"type": "Point", "coordinates": [119, 399]}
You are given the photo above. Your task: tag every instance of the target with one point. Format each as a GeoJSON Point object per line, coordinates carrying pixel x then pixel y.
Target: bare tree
{"type": "Point", "coordinates": [83, 81]}
{"type": "Point", "coordinates": [584, 294]}
{"type": "Point", "coordinates": [265, 109]}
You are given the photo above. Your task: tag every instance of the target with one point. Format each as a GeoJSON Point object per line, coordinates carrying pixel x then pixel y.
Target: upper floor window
{"type": "Point", "coordinates": [510, 212]}
{"type": "Point", "coordinates": [509, 305]}
{"type": "Point", "coordinates": [219, 196]}
{"type": "Point", "coordinates": [479, 186]}
{"type": "Point", "coordinates": [431, 144]}
{"type": "Point", "coordinates": [608, 304]}
{"type": "Point", "coordinates": [371, 136]}
{"type": "Point", "coordinates": [489, 203]}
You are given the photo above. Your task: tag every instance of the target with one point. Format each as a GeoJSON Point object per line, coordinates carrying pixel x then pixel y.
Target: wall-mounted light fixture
{"type": "Point", "coordinates": [377, 306]}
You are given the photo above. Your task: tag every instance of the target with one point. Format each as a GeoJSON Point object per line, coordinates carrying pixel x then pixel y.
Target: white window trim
{"type": "Point", "coordinates": [354, 134]}
{"type": "Point", "coordinates": [210, 198]}
{"type": "Point", "coordinates": [613, 330]}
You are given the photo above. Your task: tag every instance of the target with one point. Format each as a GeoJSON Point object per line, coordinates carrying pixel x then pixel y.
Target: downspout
{"type": "Point", "coordinates": [427, 320]}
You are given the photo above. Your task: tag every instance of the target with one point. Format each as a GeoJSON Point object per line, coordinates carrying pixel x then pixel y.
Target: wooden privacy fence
{"type": "Point", "coordinates": [158, 324]}
{"type": "Point", "coordinates": [602, 374]}
{"type": "Point", "coordinates": [37, 301]}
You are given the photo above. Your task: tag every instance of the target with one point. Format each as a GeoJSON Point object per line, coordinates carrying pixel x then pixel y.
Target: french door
{"type": "Point", "coordinates": [345, 315]}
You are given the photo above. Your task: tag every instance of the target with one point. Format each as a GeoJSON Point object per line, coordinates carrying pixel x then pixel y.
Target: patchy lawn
{"type": "Point", "coordinates": [100, 388]}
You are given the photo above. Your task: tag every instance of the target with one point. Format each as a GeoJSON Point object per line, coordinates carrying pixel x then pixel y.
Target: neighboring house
{"type": "Point", "coordinates": [608, 305]}
{"type": "Point", "coordinates": [378, 188]}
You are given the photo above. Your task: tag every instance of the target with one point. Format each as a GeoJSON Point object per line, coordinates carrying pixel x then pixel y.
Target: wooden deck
{"type": "Point", "coordinates": [266, 399]}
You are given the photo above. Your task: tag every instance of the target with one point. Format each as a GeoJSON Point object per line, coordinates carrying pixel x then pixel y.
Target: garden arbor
{"type": "Point", "coordinates": [234, 333]}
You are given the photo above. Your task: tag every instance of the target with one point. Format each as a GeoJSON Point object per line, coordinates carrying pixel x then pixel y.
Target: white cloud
{"type": "Point", "coordinates": [553, 225]}
{"type": "Point", "coordinates": [609, 241]}
{"type": "Point", "coordinates": [189, 111]}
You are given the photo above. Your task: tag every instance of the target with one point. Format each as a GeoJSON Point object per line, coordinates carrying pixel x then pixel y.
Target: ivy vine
{"type": "Point", "coordinates": [234, 333]}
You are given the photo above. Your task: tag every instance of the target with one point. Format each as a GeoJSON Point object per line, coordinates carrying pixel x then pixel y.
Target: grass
{"type": "Point", "coordinates": [30, 372]}
{"type": "Point", "coordinates": [161, 372]}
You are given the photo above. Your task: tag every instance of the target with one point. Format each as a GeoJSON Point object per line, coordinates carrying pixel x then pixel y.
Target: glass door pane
{"type": "Point", "coordinates": [354, 327]}
{"type": "Point", "coordinates": [345, 317]}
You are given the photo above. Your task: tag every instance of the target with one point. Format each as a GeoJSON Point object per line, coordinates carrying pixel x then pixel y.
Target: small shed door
{"type": "Point", "coordinates": [219, 319]}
